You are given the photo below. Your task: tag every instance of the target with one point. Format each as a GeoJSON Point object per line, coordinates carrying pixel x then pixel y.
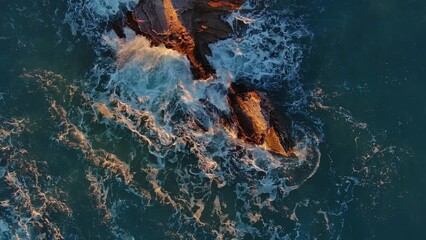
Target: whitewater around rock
{"type": "Point", "coordinates": [188, 27]}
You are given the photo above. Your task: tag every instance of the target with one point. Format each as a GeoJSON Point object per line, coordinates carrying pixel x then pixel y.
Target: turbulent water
{"type": "Point", "coordinates": [99, 136]}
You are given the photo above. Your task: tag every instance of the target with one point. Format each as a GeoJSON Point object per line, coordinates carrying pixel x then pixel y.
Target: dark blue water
{"type": "Point", "coordinates": [368, 59]}
{"type": "Point", "coordinates": [89, 150]}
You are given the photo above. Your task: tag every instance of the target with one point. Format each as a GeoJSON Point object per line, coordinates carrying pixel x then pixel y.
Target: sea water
{"type": "Point", "coordinates": [98, 135]}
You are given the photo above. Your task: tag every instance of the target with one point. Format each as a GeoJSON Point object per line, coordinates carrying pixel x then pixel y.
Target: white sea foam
{"type": "Point", "coordinates": [108, 8]}
{"type": "Point", "coordinates": [86, 17]}
{"type": "Point", "coordinates": [268, 53]}
{"type": "Point", "coordinates": [24, 213]}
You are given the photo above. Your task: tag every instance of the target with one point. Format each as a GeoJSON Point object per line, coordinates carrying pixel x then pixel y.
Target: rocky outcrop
{"type": "Point", "coordinates": [256, 120]}
{"type": "Point", "coordinates": [189, 26]}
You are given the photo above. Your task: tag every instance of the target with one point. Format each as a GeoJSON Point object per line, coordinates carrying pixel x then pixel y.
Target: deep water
{"type": "Point", "coordinates": [89, 150]}
{"type": "Point", "coordinates": [368, 58]}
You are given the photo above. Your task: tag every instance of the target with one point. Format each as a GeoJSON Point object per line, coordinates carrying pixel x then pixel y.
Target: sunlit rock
{"type": "Point", "coordinates": [256, 121]}
{"type": "Point", "coordinates": [187, 26]}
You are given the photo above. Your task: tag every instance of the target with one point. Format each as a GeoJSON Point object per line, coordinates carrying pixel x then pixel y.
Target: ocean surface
{"type": "Point", "coordinates": [98, 141]}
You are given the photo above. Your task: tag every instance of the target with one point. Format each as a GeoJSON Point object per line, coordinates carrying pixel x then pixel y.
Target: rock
{"type": "Point", "coordinates": [256, 122]}
{"type": "Point", "coordinates": [187, 26]}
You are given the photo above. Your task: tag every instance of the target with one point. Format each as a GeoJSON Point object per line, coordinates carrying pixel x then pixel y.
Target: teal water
{"type": "Point", "coordinates": [352, 80]}
{"type": "Point", "coordinates": [368, 58]}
